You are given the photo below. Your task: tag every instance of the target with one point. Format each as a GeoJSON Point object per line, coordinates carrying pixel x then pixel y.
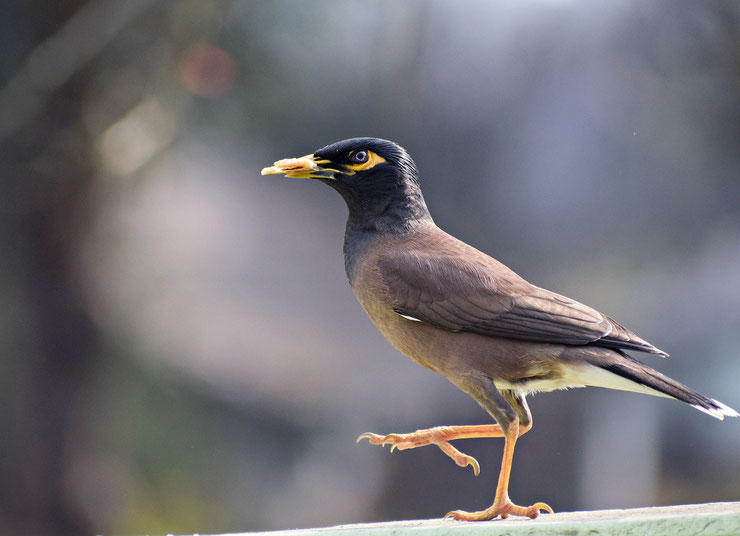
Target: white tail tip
{"type": "Point", "coordinates": [720, 412]}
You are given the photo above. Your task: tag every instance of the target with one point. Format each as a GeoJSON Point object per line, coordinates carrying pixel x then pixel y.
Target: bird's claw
{"type": "Point", "coordinates": [376, 439]}
{"type": "Point", "coordinates": [544, 507]}
{"type": "Point", "coordinates": [419, 439]}
{"type": "Point", "coordinates": [504, 510]}
{"type": "Point", "coordinates": [471, 461]}
{"type": "Point", "coordinates": [396, 441]}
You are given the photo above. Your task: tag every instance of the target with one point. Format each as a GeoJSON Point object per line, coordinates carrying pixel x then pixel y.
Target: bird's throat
{"type": "Point", "coordinates": [361, 232]}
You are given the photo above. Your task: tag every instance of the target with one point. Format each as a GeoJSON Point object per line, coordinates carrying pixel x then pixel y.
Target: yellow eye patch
{"type": "Point", "coordinates": [373, 159]}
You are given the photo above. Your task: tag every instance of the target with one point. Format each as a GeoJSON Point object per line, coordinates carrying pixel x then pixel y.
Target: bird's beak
{"type": "Point", "coordinates": [305, 167]}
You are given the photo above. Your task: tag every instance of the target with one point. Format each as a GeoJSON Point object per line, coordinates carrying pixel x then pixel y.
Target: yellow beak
{"type": "Point", "coordinates": [305, 167]}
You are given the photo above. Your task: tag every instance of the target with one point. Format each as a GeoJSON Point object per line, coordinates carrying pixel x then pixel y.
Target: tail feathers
{"type": "Point", "coordinates": [718, 409]}
{"type": "Point", "coordinates": [643, 375]}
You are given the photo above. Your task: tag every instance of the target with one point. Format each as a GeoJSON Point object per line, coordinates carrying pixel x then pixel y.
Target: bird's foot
{"type": "Point", "coordinates": [504, 509]}
{"type": "Point", "coordinates": [439, 436]}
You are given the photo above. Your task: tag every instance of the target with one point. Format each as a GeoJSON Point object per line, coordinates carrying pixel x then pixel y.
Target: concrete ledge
{"type": "Point", "coordinates": [713, 519]}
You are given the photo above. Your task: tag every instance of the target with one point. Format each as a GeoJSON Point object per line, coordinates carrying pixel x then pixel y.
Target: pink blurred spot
{"type": "Point", "coordinates": [207, 70]}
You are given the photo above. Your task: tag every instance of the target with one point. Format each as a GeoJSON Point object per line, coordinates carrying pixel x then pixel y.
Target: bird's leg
{"type": "Point", "coordinates": [515, 427]}
{"type": "Point", "coordinates": [502, 505]}
{"type": "Point", "coordinates": [507, 407]}
{"type": "Point", "coordinates": [440, 436]}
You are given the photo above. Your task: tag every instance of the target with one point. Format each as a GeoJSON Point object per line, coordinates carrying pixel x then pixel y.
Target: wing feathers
{"type": "Point", "coordinates": [483, 296]}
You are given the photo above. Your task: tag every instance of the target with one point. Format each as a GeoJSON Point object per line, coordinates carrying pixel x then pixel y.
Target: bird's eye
{"type": "Point", "coordinates": [362, 160]}
{"type": "Point", "coordinates": [359, 157]}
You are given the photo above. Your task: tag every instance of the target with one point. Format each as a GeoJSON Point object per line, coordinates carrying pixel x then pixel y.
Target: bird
{"type": "Point", "coordinates": [464, 315]}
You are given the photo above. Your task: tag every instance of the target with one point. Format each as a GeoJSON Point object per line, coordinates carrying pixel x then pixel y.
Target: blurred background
{"type": "Point", "coordinates": [179, 348]}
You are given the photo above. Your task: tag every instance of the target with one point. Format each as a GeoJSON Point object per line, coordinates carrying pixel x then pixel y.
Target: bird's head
{"type": "Point", "coordinates": [377, 178]}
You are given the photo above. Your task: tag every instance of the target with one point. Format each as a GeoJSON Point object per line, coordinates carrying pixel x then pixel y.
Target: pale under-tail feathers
{"type": "Point", "coordinates": [635, 371]}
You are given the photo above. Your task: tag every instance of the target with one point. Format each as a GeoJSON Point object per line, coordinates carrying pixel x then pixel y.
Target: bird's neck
{"type": "Point", "coordinates": [373, 222]}
{"type": "Point", "coordinates": [389, 209]}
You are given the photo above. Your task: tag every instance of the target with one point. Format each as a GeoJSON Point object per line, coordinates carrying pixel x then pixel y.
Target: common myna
{"type": "Point", "coordinates": [466, 316]}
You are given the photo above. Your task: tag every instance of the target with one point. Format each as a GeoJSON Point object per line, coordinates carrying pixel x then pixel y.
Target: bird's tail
{"type": "Point", "coordinates": [635, 371]}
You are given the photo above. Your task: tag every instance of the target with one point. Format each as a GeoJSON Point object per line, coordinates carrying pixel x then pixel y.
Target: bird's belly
{"type": "Point", "coordinates": [457, 355]}
{"type": "Point", "coordinates": [416, 340]}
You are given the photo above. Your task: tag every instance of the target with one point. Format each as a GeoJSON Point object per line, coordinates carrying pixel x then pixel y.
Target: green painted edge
{"type": "Point", "coordinates": [715, 519]}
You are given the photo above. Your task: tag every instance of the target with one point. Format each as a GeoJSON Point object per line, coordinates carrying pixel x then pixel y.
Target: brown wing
{"type": "Point", "coordinates": [483, 296]}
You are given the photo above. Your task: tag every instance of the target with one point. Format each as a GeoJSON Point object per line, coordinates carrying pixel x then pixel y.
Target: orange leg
{"type": "Point", "coordinates": [502, 505]}
{"type": "Point", "coordinates": [442, 435]}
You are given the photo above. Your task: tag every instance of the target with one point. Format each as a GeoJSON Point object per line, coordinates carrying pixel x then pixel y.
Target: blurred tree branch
{"type": "Point", "coordinates": [55, 60]}
{"type": "Point", "coordinates": [52, 348]}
